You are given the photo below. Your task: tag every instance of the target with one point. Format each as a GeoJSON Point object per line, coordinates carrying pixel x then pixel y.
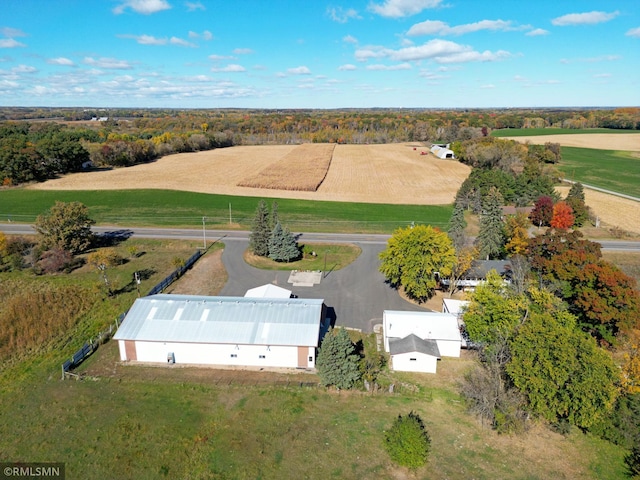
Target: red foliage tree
{"type": "Point", "coordinates": [562, 216]}
{"type": "Point", "coordinates": [542, 212]}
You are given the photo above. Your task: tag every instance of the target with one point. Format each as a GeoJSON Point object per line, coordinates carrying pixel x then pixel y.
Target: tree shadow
{"type": "Point", "coordinates": [113, 238]}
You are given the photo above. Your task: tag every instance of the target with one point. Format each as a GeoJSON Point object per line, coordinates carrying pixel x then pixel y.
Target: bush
{"type": "Point", "coordinates": [408, 442]}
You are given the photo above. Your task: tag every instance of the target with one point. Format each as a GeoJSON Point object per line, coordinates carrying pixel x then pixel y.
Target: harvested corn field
{"type": "Point", "coordinates": [302, 169]}
{"type": "Point", "coordinates": [391, 173]}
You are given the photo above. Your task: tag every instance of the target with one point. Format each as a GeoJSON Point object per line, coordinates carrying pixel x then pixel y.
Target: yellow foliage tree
{"type": "Point", "coordinates": [631, 363]}
{"type": "Point", "coordinates": [516, 228]}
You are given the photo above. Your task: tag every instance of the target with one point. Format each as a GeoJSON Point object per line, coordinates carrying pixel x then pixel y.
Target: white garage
{"type": "Point", "coordinates": [411, 337]}
{"type": "Point", "coordinates": [256, 332]}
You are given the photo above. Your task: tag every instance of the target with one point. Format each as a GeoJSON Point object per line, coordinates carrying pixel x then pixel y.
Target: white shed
{"type": "Point", "coordinates": [440, 327]}
{"type": "Point", "coordinates": [189, 329]}
{"type": "Point", "coordinates": [413, 354]}
{"type": "Point", "coordinates": [268, 291]}
{"type": "Point", "coordinates": [442, 151]}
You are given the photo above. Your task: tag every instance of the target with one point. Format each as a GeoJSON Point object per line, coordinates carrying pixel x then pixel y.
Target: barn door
{"type": "Point", "coordinates": [130, 349]}
{"type": "Point", "coordinates": [302, 357]}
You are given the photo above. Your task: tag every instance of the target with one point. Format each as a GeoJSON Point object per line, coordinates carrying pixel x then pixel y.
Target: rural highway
{"type": "Point", "coordinates": [227, 235]}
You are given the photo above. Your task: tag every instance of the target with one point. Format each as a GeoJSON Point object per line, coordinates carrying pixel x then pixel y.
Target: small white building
{"type": "Point", "coordinates": [442, 151]}
{"type": "Point", "coordinates": [236, 331]}
{"type": "Point", "coordinates": [268, 291]}
{"type": "Point", "coordinates": [436, 335]}
{"type": "Point", "coordinates": [413, 354]}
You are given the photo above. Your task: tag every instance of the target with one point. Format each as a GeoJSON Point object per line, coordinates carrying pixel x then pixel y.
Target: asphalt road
{"type": "Point", "coordinates": [356, 295]}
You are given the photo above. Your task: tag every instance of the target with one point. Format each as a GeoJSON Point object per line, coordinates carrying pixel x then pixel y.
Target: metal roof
{"type": "Point", "coordinates": [229, 320]}
{"type": "Point", "coordinates": [268, 291]}
{"type": "Point", "coordinates": [426, 325]}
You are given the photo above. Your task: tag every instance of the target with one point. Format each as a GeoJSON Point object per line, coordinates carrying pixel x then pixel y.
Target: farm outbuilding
{"type": "Point", "coordinates": [268, 291]}
{"type": "Point", "coordinates": [477, 274]}
{"type": "Point", "coordinates": [436, 335]}
{"type": "Point", "coordinates": [225, 331]}
{"type": "Point", "coordinates": [442, 151]}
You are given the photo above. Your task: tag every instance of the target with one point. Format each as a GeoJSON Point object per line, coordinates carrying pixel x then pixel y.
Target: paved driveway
{"type": "Point", "coordinates": [357, 294]}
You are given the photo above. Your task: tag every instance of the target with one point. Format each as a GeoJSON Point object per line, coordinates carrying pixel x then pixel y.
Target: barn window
{"type": "Point", "coordinates": [413, 359]}
{"type": "Point", "coordinates": [233, 355]}
{"type": "Point", "coordinates": [261, 356]}
{"type": "Point", "coordinates": [311, 359]}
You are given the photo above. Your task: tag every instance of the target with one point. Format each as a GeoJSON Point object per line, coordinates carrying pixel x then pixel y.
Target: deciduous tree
{"type": "Point", "coordinates": [66, 226]}
{"type": "Point", "coordinates": [516, 230]}
{"type": "Point", "coordinates": [562, 216]}
{"type": "Point", "coordinates": [542, 212]}
{"type": "Point", "coordinates": [407, 441]}
{"type": "Point", "coordinates": [413, 255]}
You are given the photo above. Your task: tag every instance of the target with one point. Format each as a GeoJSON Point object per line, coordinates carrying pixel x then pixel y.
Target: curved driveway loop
{"type": "Point", "coordinates": [356, 294]}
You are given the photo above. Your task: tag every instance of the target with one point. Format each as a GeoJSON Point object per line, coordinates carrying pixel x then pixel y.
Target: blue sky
{"type": "Point", "coordinates": [319, 53]}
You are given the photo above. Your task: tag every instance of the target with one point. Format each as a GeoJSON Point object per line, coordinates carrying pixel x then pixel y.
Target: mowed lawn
{"type": "Point", "coordinates": [618, 171]}
{"type": "Point", "coordinates": [160, 422]}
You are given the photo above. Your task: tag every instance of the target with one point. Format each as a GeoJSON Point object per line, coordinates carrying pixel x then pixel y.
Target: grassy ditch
{"type": "Point", "coordinates": [165, 208]}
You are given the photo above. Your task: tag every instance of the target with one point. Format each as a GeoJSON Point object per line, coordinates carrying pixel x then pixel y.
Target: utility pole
{"type": "Point", "coordinates": [204, 234]}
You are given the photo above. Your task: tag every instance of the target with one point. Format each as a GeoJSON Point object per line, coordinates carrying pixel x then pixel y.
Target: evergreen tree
{"type": "Point", "coordinates": [282, 245]}
{"type": "Point", "coordinates": [490, 239]}
{"type": "Point", "coordinates": [337, 362]}
{"type": "Point", "coordinates": [274, 215]}
{"type": "Point", "coordinates": [260, 231]}
{"type": "Point", "coordinates": [457, 224]}
{"type": "Point", "coordinates": [575, 199]}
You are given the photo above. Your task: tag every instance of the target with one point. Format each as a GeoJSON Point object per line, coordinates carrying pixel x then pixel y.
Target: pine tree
{"type": "Point", "coordinates": [274, 215]}
{"type": "Point", "coordinates": [490, 239]}
{"type": "Point", "coordinates": [260, 231]}
{"type": "Point", "coordinates": [457, 224]}
{"type": "Point", "coordinates": [337, 362]}
{"type": "Point", "coordinates": [575, 199]}
{"type": "Point", "coordinates": [282, 245]}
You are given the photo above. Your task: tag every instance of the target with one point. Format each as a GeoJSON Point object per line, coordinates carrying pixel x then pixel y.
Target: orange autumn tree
{"type": "Point", "coordinates": [562, 216]}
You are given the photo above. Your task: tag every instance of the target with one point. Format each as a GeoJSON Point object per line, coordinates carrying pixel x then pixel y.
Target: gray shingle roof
{"type": "Point", "coordinates": [413, 343]}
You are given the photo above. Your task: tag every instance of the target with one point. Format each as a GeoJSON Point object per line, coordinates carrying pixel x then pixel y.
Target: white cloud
{"type": "Point", "coordinates": [349, 39]}
{"type": "Point", "coordinates": [634, 32]}
{"type": "Point", "coordinates": [217, 58]}
{"type": "Point", "coordinates": [401, 66]}
{"type": "Point", "coordinates": [180, 42]}
{"type": "Point", "coordinates": [242, 51]}
{"type": "Point", "coordinates": [602, 58]}
{"type": "Point", "coordinates": [61, 61]}
{"type": "Point", "coordinates": [537, 32]}
{"type": "Point", "coordinates": [441, 51]}
{"type": "Point", "coordinates": [193, 6]}
{"type": "Point", "coordinates": [108, 63]}
{"type": "Point", "coordinates": [230, 68]}
{"type": "Point", "coordinates": [489, 85]}
{"type": "Point", "coordinates": [302, 70]}
{"type": "Point", "coordinates": [12, 32]}
{"type": "Point", "coordinates": [24, 69]}
{"type": "Point", "coordinates": [588, 18]}
{"type": "Point", "coordinates": [436, 27]}
{"type": "Point", "coordinates": [342, 16]}
{"type": "Point", "coordinates": [402, 8]}
{"type": "Point", "coordinates": [602, 75]}
{"type": "Point", "coordinates": [10, 43]}
{"type": "Point", "coordinates": [146, 7]}
{"type": "Point", "coordinates": [206, 35]}
{"type": "Point", "coordinates": [347, 67]}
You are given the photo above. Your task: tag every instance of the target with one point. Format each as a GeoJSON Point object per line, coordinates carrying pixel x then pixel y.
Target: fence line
{"type": "Point", "coordinates": [104, 336]}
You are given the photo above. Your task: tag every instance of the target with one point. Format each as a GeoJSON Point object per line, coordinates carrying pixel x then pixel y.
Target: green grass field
{"type": "Point", "coordinates": [525, 132]}
{"type": "Point", "coordinates": [166, 208]}
{"type": "Point", "coordinates": [159, 422]}
{"type": "Point", "coordinates": [618, 171]}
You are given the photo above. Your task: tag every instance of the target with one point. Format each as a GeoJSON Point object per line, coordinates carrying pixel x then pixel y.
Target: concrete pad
{"type": "Point", "coordinates": [305, 279]}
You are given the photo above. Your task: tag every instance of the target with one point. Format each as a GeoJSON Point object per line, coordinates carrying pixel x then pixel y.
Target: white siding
{"type": "Point", "coordinates": [218, 354]}
{"type": "Point", "coordinates": [123, 353]}
{"type": "Point", "coordinates": [421, 363]}
{"type": "Point", "coordinates": [449, 348]}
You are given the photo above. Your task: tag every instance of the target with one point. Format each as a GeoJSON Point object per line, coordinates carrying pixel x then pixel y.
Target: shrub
{"type": "Point", "coordinates": [53, 260]}
{"type": "Point", "coordinates": [407, 441]}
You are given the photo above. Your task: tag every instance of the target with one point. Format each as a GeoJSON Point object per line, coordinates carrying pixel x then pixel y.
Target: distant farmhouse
{"type": "Point", "coordinates": [417, 340]}
{"type": "Point", "coordinates": [442, 151]}
{"type": "Point", "coordinates": [223, 331]}
{"type": "Point", "coordinates": [477, 274]}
